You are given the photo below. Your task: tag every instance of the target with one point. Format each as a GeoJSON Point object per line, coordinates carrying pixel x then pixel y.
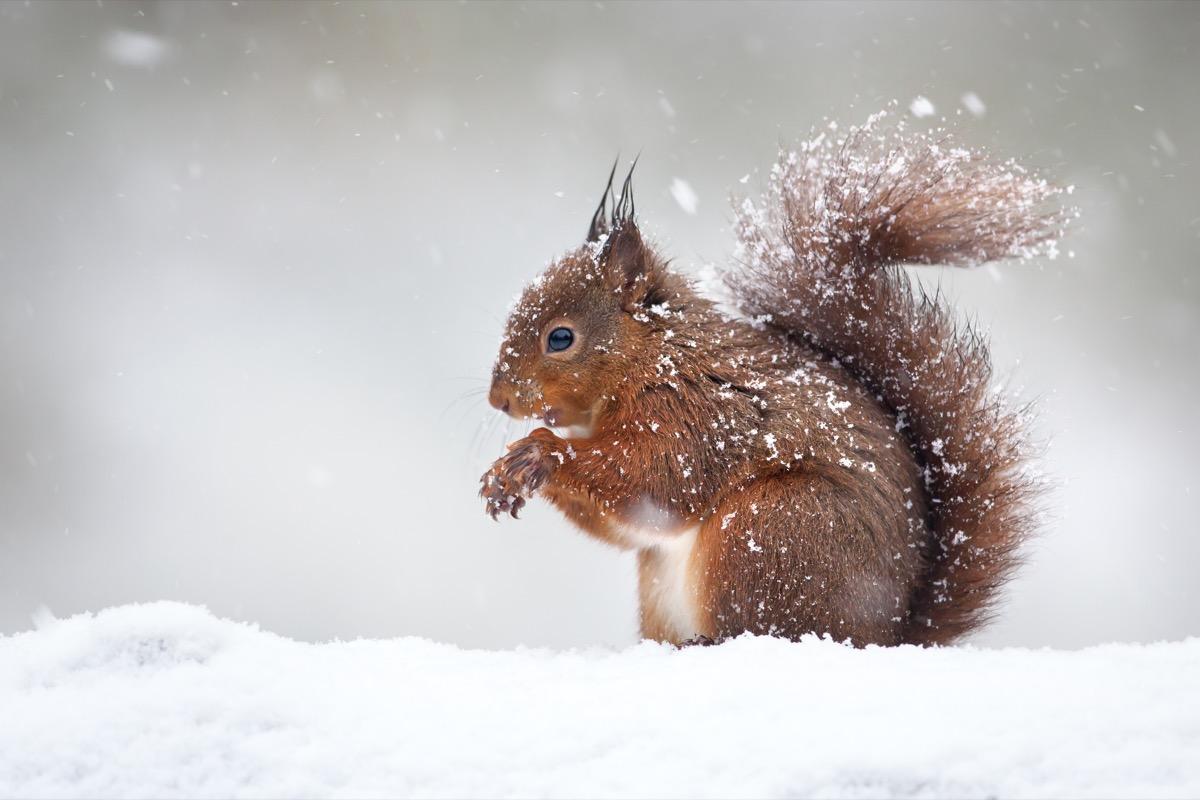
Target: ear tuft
{"type": "Point", "coordinates": [600, 224]}
{"type": "Point", "coordinates": [623, 211]}
{"type": "Point", "coordinates": [604, 221]}
{"type": "Point", "coordinates": [629, 266]}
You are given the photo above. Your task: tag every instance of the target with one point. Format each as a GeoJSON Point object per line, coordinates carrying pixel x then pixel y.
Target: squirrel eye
{"type": "Point", "coordinates": [559, 339]}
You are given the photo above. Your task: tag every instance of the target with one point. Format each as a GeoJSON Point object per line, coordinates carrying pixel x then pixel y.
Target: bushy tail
{"type": "Point", "coordinates": [820, 258]}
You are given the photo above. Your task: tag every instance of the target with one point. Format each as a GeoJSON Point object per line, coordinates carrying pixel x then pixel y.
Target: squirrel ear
{"type": "Point", "coordinates": [629, 265]}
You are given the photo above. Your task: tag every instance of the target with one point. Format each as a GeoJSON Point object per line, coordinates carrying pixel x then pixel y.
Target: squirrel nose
{"type": "Point", "coordinates": [499, 398]}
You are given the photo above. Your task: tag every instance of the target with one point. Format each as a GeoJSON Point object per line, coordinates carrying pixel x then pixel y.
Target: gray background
{"type": "Point", "coordinates": [254, 259]}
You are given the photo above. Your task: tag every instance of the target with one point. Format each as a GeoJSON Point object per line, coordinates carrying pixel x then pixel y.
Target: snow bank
{"type": "Point", "coordinates": [167, 700]}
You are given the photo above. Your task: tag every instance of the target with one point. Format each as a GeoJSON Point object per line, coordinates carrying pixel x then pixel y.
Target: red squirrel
{"type": "Point", "coordinates": [832, 459]}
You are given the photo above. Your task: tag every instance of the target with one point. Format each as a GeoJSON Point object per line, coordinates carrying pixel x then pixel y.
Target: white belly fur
{"type": "Point", "coordinates": [670, 588]}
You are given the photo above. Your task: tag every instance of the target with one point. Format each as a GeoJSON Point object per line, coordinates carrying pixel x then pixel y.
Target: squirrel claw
{"type": "Point", "coordinates": [495, 505]}
{"type": "Point", "coordinates": [515, 477]}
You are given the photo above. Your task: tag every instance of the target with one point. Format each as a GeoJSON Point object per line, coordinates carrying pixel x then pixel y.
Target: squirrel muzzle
{"type": "Point", "coordinates": [499, 397]}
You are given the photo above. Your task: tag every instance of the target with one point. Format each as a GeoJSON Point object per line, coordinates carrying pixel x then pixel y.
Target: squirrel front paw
{"type": "Point", "coordinates": [515, 477]}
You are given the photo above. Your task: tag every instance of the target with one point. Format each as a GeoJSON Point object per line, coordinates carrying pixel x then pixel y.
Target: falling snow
{"type": "Point", "coordinates": [922, 107]}
{"type": "Point", "coordinates": [136, 48]}
{"type": "Point", "coordinates": [684, 195]}
{"type": "Point", "coordinates": [973, 104]}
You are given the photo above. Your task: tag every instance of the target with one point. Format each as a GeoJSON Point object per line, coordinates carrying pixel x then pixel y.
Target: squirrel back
{"type": "Point", "coordinates": [821, 259]}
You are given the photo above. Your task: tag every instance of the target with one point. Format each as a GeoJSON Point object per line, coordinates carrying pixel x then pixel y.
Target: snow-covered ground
{"type": "Point", "coordinates": [167, 700]}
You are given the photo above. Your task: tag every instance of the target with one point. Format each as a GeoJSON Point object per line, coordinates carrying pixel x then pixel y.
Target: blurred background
{"type": "Point", "coordinates": [255, 258]}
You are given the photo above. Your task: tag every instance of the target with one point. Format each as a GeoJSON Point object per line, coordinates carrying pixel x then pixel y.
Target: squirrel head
{"type": "Point", "coordinates": [579, 337]}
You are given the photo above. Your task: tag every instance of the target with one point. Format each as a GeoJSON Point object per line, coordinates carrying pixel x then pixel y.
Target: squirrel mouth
{"type": "Point", "coordinates": [580, 428]}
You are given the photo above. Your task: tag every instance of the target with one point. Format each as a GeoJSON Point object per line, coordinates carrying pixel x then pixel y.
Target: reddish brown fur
{"type": "Point", "coordinates": [813, 507]}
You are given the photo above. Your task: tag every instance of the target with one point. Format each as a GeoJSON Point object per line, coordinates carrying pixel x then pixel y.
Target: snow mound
{"type": "Point", "coordinates": [167, 700]}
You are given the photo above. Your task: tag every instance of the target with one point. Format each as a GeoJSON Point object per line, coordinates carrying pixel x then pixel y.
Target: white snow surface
{"type": "Point", "coordinates": [167, 700]}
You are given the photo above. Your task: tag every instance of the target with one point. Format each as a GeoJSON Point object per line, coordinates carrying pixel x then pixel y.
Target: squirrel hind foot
{"type": "Point", "coordinates": [700, 641]}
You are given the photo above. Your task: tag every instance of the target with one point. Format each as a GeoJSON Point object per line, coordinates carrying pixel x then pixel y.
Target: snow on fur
{"type": "Point", "coordinates": [166, 700]}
